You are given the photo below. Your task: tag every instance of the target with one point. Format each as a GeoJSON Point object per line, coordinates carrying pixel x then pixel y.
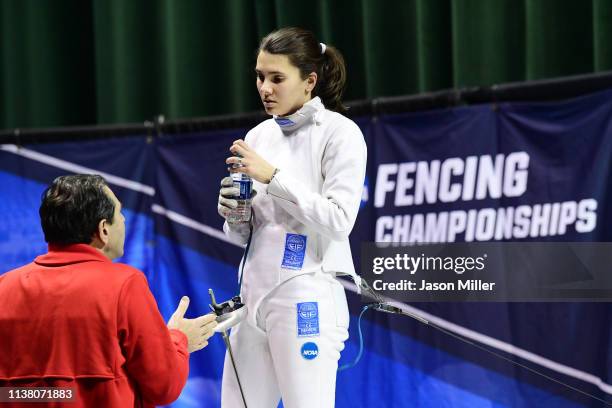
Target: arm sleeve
{"type": "Point", "coordinates": [156, 358]}
{"type": "Point", "coordinates": [333, 211]}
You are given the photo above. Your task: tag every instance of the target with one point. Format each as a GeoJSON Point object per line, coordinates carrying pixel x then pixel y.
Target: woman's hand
{"type": "Point", "coordinates": [250, 163]}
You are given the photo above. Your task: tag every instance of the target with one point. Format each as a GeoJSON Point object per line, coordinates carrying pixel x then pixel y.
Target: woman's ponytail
{"type": "Point", "coordinates": [332, 78]}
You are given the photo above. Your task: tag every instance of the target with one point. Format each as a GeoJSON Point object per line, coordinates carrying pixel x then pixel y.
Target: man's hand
{"type": "Point", "coordinates": [197, 330]}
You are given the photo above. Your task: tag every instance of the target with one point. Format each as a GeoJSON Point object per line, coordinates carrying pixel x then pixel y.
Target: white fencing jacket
{"type": "Point", "coordinates": [315, 194]}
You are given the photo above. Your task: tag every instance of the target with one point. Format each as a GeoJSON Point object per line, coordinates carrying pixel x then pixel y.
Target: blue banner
{"type": "Point", "coordinates": [502, 172]}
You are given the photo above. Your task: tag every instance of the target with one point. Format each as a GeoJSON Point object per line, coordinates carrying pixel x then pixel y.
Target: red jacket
{"type": "Point", "coordinates": [73, 318]}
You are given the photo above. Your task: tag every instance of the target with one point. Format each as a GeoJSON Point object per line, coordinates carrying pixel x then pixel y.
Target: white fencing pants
{"type": "Point", "coordinates": [269, 357]}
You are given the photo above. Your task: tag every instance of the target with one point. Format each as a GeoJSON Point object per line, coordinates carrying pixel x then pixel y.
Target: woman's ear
{"type": "Point", "coordinates": [311, 82]}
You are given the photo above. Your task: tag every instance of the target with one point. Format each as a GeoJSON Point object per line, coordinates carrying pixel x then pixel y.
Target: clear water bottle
{"type": "Point", "coordinates": [244, 184]}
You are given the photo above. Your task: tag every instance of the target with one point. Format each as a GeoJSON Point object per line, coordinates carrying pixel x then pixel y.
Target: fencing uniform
{"type": "Point", "coordinates": [297, 320]}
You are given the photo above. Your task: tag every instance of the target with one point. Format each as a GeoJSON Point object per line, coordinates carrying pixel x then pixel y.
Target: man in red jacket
{"type": "Point", "coordinates": [74, 319]}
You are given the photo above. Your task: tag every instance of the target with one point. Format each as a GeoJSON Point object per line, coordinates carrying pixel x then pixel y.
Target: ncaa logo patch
{"type": "Point", "coordinates": [309, 350]}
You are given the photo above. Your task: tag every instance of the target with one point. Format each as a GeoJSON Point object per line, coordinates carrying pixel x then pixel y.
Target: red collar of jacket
{"type": "Point", "coordinates": [69, 254]}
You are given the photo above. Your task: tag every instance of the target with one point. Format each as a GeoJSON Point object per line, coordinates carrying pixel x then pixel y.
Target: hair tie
{"type": "Point", "coordinates": [323, 48]}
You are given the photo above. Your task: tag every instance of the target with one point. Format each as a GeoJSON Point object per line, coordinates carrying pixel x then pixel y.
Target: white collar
{"type": "Point", "coordinates": [303, 115]}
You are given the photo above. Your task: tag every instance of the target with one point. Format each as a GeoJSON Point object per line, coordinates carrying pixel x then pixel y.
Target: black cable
{"type": "Point", "coordinates": [483, 348]}
{"type": "Point", "coordinates": [387, 308]}
{"type": "Point", "coordinates": [229, 349]}
{"type": "Point", "coordinates": [382, 306]}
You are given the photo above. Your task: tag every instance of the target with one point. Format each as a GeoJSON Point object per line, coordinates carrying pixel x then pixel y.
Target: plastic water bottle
{"type": "Point", "coordinates": [244, 184]}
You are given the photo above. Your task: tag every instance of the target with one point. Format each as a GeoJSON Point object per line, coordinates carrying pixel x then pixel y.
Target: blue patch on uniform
{"type": "Point", "coordinates": [309, 350]}
{"type": "Point", "coordinates": [295, 248]}
{"type": "Point", "coordinates": [284, 122]}
{"type": "Point", "coordinates": [307, 319]}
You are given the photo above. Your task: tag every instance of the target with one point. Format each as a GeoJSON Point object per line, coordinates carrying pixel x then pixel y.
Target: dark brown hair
{"type": "Point", "coordinates": [304, 52]}
{"type": "Point", "coordinates": [72, 207]}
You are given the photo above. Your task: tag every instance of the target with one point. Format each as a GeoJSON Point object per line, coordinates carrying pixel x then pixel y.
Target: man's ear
{"type": "Point", "coordinates": [103, 231]}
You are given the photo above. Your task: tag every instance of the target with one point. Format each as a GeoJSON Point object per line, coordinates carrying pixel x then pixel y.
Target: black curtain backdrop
{"type": "Point", "coordinates": [77, 62]}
